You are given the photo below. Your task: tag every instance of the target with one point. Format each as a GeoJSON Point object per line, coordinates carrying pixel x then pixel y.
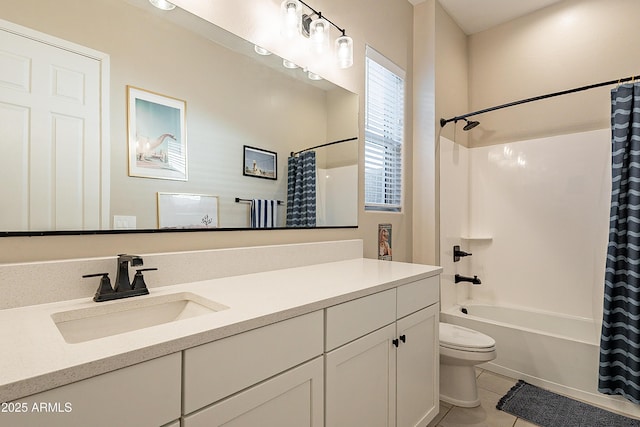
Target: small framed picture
{"type": "Point", "coordinates": [182, 210]}
{"type": "Point", "coordinates": [259, 163]}
{"type": "Point", "coordinates": [157, 135]}
{"type": "Point", "coordinates": [384, 242]}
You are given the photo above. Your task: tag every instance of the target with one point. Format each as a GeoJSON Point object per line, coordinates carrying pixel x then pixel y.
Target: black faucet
{"type": "Point", "coordinates": [122, 278]}
{"type": "Point", "coordinates": [123, 288]}
{"type": "Point", "coordinates": [473, 279]}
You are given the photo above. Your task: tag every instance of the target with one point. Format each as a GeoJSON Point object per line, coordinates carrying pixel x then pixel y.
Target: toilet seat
{"type": "Point", "coordinates": [456, 337]}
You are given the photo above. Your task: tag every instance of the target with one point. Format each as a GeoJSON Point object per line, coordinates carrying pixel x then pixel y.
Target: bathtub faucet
{"type": "Point", "coordinates": [473, 279]}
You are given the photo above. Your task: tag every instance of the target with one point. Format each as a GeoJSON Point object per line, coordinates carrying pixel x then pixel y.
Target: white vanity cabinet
{"type": "Point", "coordinates": [221, 377]}
{"type": "Point", "coordinates": [146, 394]}
{"type": "Point", "coordinates": [353, 343]}
{"type": "Point", "coordinates": [382, 358]}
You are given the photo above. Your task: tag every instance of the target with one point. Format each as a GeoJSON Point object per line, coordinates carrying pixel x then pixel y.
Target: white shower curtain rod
{"type": "Point", "coordinates": [537, 98]}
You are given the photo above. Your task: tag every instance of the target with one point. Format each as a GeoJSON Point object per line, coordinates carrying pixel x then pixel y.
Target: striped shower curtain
{"type": "Point", "coordinates": [301, 190]}
{"type": "Point", "coordinates": [620, 342]}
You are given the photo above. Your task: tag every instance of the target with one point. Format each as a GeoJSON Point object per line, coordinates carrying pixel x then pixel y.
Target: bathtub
{"type": "Point", "coordinates": [553, 351]}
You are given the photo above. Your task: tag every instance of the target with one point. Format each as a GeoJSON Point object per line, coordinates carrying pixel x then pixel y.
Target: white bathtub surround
{"type": "Point", "coordinates": [43, 282]}
{"type": "Point", "coordinates": [554, 351]}
{"type": "Point", "coordinates": [536, 223]}
{"type": "Point", "coordinates": [545, 202]}
{"type": "Point", "coordinates": [454, 219]}
{"type": "Point", "coordinates": [335, 202]}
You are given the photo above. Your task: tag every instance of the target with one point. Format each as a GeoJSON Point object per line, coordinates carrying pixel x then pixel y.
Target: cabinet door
{"type": "Point", "coordinates": [293, 398]}
{"type": "Point", "coordinates": [418, 368]}
{"type": "Point", "coordinates": [360, 381]}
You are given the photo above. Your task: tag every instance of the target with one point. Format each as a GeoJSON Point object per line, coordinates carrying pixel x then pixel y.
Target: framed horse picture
{"type": "Point", "coordinates": [157, 135]}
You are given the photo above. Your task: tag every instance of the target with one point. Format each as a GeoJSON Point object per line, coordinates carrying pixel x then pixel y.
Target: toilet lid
{"type": "Point", "coordinates": [458, 337]}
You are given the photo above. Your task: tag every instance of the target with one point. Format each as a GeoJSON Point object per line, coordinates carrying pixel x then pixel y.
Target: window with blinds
{"type": "Point", "coordinates": [383, 133]}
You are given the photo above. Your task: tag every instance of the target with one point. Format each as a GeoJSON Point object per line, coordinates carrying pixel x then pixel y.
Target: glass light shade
{"type": "Point", "coordinates": [319, 34]}
{"type": "Point", "coordinates": [291, 15]}
{"type": "Point", "coordinates": [163, 4]}
{"type": "Point", "coordinates": [261, 51]}
{"type": "Point", "coordinates": [289, 64]}
{"type": "Point", "coordinates": [313, 76]}
{"type": "Point", "coordinates": [344, 51]}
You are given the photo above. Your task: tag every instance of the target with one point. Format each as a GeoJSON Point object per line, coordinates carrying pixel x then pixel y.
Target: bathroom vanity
{"type": "Point", "coordinates": [346, 342]}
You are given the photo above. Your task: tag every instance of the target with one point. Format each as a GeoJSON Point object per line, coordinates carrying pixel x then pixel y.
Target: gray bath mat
{"type": "Point", "coordinates": [548, 409]}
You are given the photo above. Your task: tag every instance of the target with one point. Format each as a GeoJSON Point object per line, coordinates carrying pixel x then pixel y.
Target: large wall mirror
{"type": "Point", "coordinates": [237, 107]}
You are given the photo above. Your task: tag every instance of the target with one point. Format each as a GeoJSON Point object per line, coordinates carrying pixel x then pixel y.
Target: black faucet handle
{"type": "Point", "coordinates": [95, 275]}
{"type": "Point", "coordinates": [104, 288]}
{"type": "Point", "coordinates": [457, 253]}
{"type": "Point", "coordinates": [138, 280]}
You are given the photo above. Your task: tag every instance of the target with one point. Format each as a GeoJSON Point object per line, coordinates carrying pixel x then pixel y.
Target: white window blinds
{"type": "Point", "coordinates": [384, 133]}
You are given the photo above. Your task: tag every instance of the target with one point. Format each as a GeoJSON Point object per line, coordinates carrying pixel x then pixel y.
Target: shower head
{"type": "Point", "coordinates": [470, 124]}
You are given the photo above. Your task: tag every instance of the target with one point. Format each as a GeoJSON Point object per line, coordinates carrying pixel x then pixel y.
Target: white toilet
{"type": "Point", "coordinates": [461, 349]}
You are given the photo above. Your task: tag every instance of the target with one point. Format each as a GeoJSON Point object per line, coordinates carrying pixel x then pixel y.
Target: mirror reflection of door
{"type": "Point", "coordinates": [51, 173]}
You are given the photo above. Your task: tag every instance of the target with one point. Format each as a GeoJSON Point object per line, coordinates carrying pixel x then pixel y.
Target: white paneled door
{"type": "Point", "coordinates": [54, 173]}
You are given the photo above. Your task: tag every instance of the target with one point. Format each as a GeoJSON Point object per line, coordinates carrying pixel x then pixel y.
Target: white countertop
{"type": "Point", "coordinates": [35, 356]}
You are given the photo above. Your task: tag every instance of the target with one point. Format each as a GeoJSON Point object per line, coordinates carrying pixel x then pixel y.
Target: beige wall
{"type": "Point", "coordinates": [440, 81]}
{"type": "Point", "coordinates": [570, 44]}
{"type": "Point", "coordinates": [386, 27]}
{"type": "Point", "coordinates": [452, 95]}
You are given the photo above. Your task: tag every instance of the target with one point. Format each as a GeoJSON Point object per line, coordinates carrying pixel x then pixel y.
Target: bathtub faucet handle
{"type": "Point", "coordinates": [457, 253]}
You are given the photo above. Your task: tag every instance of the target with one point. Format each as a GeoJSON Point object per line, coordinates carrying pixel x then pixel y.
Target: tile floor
{"type": "Point", "coordinates": [491, 387]}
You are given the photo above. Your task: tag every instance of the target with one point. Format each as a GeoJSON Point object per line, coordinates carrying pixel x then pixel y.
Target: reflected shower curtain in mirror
{"type": "Point", "coordinates": [620, 342]}
{"type": "Point", "coordinates": [301, 190]}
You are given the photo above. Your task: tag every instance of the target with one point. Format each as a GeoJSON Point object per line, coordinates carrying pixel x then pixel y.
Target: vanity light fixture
{"type": "Point", "coordinates": [289, 64]}
{"type": "Point", "coordinates": [291, 16]}
{"type": "Point", "coordinates": [344, 51]}
{"type": "Point", "coordinates": [163, 4]}
{"type": "Point", "coordinates": [319, 34]}
{"type": "Point", "coordinates": [261, 51]}
{"type": "Point", "coordinates": [316, 27]}
{"type": "Point", "coordinates": [313, 76]}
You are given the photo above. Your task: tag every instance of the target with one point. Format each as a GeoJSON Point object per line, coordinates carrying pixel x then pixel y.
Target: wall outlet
{"type": "Point", "coordinates": [124, 222]}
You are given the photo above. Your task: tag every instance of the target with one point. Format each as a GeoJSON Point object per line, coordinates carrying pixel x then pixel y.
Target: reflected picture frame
{"type": "Point", "coordinates": [187, 211]}
{"type": "Point", "coordinates": [259, 163]}
{"type": "Point", "coordinates": [157, 135]}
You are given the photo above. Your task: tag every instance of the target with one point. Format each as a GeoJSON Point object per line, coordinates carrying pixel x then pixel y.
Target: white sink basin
{"type": "Point", "coordinates": [128, 315]}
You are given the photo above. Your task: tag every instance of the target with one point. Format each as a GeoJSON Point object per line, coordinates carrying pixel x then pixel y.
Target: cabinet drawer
{"type": "Point", "coordinates": [418, 295]}
{"type": "Point", "coordinates": [351, 320]}
{"type": "Point", "coordinates": [216, 370]}
{"type": "Point", "coordinates": [147, 394]}
{"type": "Point", "coordinates": [294, 398]}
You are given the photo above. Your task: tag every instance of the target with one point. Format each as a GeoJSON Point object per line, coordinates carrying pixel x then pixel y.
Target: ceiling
{"type": "Point", "coordinates": [474, 16]}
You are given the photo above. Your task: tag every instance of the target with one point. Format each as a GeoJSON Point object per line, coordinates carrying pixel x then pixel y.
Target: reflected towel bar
{"type": "Point", "coordinates": [239, 200]}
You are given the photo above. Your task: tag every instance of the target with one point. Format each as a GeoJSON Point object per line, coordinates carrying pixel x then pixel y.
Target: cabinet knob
{"type": "Point", "coordinates": [403, 338]}
{"type": "Point", "coordinates": [395, 342]}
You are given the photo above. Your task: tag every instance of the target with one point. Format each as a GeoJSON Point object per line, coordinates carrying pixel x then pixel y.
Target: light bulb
{"type": "Point", "coordinates": [163, 4]}
{"type": "Point", "coordinates": [344, 51]}
{"type": "Point", "coordinates": [289, 64]}
{"type": "Point", "coordinates": [291, 13]}
{"type": "Point", "coordinates": [313, 76]}
{"type": "Point", "coordinates": [261, 51]}
{"type": "Point", "coordinates": [319, 34]}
